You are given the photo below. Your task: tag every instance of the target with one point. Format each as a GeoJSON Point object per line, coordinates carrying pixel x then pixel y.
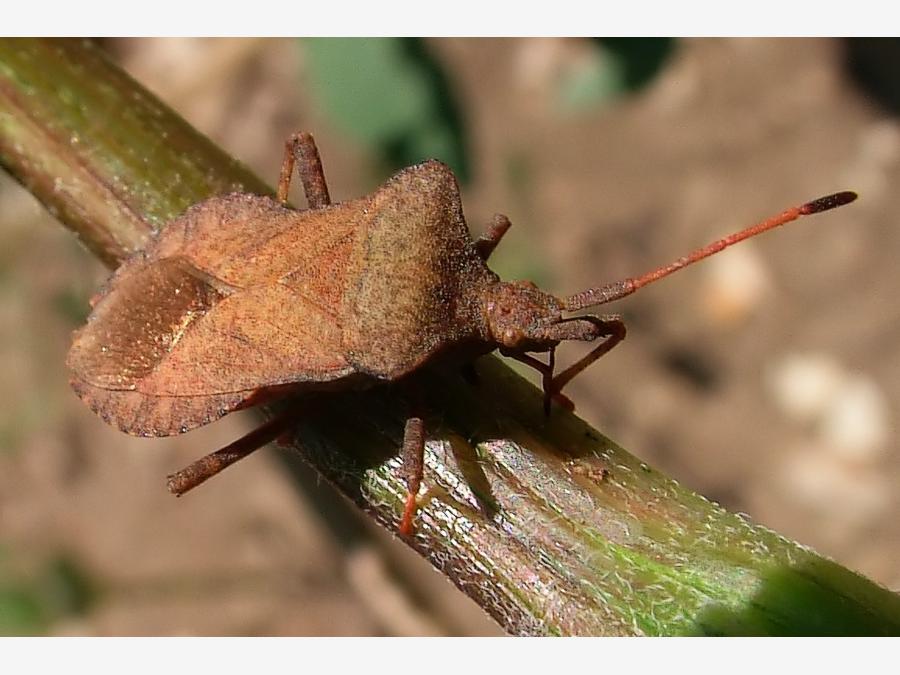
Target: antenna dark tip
{"type": "Point", "coordinates": [827, 203]}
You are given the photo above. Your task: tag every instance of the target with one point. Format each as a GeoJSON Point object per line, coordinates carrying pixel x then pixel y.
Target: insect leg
{"type": "Point", "coordinates": [207, 467]}
{"type": "Point", "coordinates": [301, 149]}
{"type": "Point", "coordinates": [546, 371]}
{"type": "Point", "coordinates": [488, 241]}
{"type": "Point", "coordinates": [613, 329]}
{"type": "Point", "coordinates": [413, 456]}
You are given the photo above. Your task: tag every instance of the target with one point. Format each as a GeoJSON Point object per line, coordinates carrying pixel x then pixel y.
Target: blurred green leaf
{"type": "Point", "coordinates": [29, 606]}
{"type": "Point", "coordinates": [65, 588]}
{"type": "Point", "coordinates": [390, 94]}
{"type": "Point", "coordinates": [596, 81]}
{"type": "Point", "coordinates": [20, 612]}
{"type": "Point", "coordinates": [638, 60]}
{"type": "Point", "coordinates": [617, 67]}
{"type": "Point", "coordinates": [368, 85]}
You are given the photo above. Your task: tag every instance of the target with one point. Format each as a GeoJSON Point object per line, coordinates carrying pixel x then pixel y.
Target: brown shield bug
{"type": "Point", "coordinates": [243, 299]}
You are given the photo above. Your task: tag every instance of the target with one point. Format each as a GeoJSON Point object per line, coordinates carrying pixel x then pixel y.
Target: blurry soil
{"type": "Point", "coordinates": [767, 379]}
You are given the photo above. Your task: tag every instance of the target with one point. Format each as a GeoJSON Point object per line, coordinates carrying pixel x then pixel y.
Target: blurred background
{"type": "Point", "coordinates": [767, 378]}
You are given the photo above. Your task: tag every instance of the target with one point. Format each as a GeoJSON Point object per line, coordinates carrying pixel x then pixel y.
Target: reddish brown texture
{"type": "Point", "coordinates": [301, 148]}
{"type": "Point", "coordinates": [211, 464]}
{"type": "Point", "coordinates": [413, 466]}
{"type": "Point", "coordinates": [241, 294]}
{"type": "Point", "coordinates": [243, 299]}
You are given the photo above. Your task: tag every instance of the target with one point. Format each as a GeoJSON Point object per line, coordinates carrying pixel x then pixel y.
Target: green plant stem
{"type": "Point", "coordinates": [552, 528]}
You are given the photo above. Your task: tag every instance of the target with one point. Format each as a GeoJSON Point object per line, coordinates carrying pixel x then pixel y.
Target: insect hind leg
{"type": "Point", "coordinates": [300, 149]}
{"type": "Point", "coordinates": [206, 467]}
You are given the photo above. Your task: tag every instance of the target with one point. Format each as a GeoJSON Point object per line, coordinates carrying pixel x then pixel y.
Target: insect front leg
{"type": "Point", "coordinates": [546, 371]}
{"type": "Point", "coordinates": [610, 327]}
{"type": "Point", "coordinates": [488, 241]}
{"type": "Point", "coordinates": [413, 456]}
{"type": "Point", "coordinates": [301, 149]}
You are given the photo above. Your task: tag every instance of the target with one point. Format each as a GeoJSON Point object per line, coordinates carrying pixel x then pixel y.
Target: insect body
{"type": "Point", "coordinates": [241, 294]}
{"type": "Point", "coordinates": [243, 299]}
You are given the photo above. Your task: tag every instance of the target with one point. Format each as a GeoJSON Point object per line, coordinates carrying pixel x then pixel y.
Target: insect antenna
{"type": "Point", "coordinates": [619, 289]}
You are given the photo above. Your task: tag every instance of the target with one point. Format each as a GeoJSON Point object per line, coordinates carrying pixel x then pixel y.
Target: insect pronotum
{"type": "Point", "coordinates": [243, 299]}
